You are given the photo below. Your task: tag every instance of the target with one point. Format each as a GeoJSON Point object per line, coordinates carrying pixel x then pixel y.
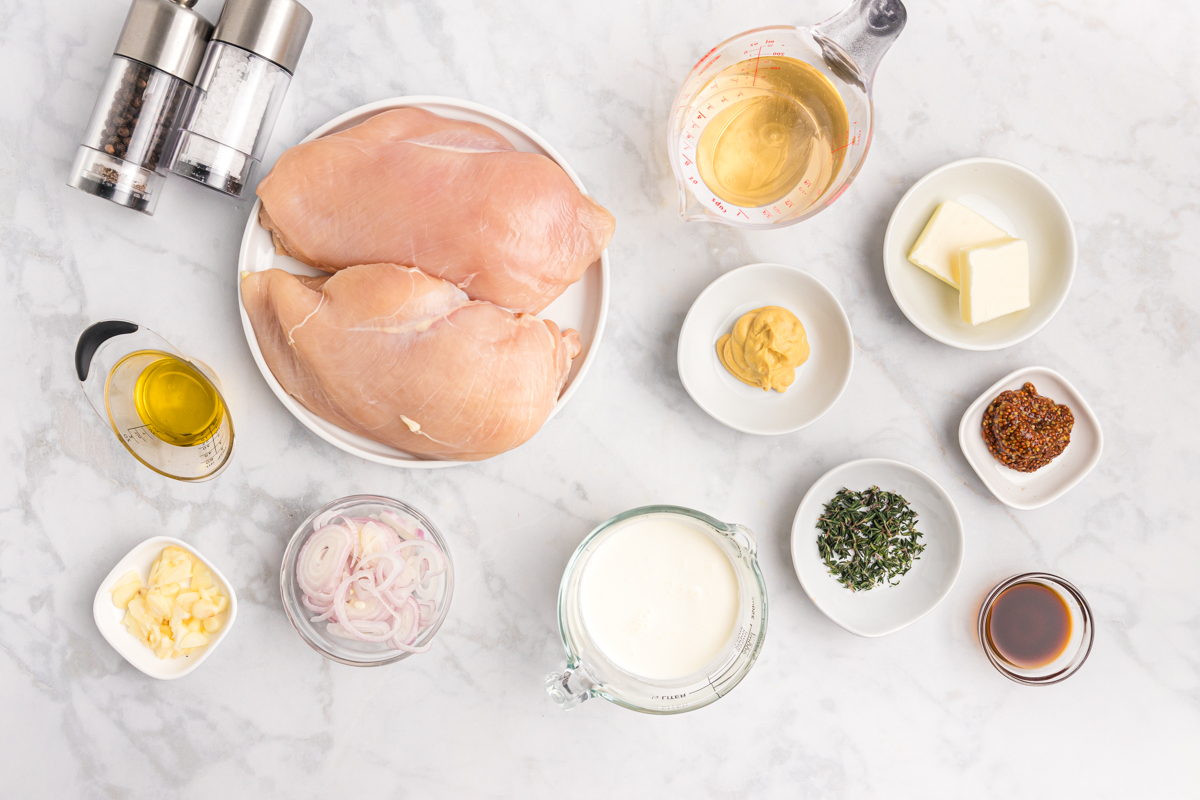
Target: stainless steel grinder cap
{"type": "Point", "coordinates": [167, 35]}
{"type": "Point", "coordinates": [273, 29]}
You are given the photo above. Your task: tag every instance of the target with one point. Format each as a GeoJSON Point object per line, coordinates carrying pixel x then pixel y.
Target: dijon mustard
{"type": "Point", "coordinates": [765, 347]}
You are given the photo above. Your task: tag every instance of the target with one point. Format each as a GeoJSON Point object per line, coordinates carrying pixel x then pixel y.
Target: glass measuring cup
{"type": "Point", "coordinates": [119, 365]}
{"type": "Point", "coordinates": [590, 673]}
{"type": "Point", "coordinates": [845, 50]}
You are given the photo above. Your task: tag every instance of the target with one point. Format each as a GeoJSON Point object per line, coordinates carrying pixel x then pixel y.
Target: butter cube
{"type": "Point", "coordinates": [994, 280]}
{"type": "Point", "coordinates": [951, 228]}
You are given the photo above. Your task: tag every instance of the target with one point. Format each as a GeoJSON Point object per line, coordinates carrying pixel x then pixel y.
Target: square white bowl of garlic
{"type": "Point", "coordinates": [217, 615]}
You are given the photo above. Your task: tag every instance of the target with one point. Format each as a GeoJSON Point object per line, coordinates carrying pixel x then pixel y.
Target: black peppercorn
{"type": "Point", "coordinates": [140, 88]}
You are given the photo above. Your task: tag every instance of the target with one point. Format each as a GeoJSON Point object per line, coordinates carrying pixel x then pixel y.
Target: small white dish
{"type": "Point", "coordinates": [1009, 196]}
{"type": "Point", "coordinates": [884, 609]}
{"type": "Point", "coordinates": [108, 616]}
{"type": "Point", "coordinates": [1029, 490]}
{"type": "Point", "coordinates": [583, 306]}
{"type": "Point", "coordinates": [820, 380]}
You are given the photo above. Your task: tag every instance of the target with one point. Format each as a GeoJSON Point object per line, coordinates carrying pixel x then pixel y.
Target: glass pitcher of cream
{"type": "Point", "coordinates": [772, 125]}
{"type": "Point", "coordinates": [662, 610]}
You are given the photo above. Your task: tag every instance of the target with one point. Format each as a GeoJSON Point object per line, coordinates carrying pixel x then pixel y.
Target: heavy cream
{"type": "Point", "coordinates": [659, 597]}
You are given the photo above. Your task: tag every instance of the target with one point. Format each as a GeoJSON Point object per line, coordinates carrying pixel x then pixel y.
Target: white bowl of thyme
{"type": "Point", "coordinates": [877, 544]}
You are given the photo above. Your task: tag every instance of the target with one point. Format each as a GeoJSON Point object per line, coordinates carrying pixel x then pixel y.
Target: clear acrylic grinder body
{"type": "Point", "coordinates": [240, 89]}
{"type": "Point", "coordinates": [124, 152]}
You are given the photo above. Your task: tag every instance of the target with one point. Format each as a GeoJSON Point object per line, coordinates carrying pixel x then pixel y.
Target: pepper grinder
{"type": "Point", "coordinates": [246, 72]}
{"type": "Point", "coordinates": [153, 66]}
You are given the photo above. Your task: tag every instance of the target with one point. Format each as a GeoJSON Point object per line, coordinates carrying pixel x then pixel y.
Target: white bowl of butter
{"type": "Point", "coordinates": [1017, 203]}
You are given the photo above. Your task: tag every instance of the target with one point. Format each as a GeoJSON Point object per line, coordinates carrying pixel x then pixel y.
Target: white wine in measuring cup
{"type": "Point", "coordinates": [778, 125]}
{"type": "Point", "coordinates": [772, 125]}
{"type": "Point", "coordinates": [165, 409]}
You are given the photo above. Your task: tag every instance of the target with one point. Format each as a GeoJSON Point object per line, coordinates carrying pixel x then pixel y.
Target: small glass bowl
{"type": "Point", "coordinates": [1078, 646]}
{"type": "Point", "coordinates": [347, 651]}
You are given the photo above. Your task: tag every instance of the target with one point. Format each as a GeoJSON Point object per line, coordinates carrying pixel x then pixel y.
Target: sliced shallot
{"type": "Point", "coordinates": [372, 579]}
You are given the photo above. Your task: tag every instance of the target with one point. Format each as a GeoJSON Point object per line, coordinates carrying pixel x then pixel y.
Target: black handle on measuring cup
{"type": "Point", "coordinates": [96, 335]}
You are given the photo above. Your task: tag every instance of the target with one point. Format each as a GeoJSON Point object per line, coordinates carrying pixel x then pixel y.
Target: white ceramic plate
{"type": "Point", "coordinates": [884, 609]}
{"type": "Point", "coordinates": [1029, 490]}
{"type": "Point", "coordinates": [583, 306]}
{"type": "Point", "coordinates": [108, 616]}
{"type": "Point", "coordinates": [1012, 198]}
{"type": "Point", "coordinates": [820, 380]}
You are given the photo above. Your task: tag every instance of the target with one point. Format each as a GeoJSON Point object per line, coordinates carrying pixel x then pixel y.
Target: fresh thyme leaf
{"type": "Point", "coordinates": [869, 538]}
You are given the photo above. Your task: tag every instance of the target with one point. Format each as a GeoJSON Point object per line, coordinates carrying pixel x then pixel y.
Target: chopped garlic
{"type": "Point", "coordinates": [185, 599]}
{"type": "Point", "coordinates": [203, 609]}
{"type": "Point", "coordinates": [193, 639]}
{"type": "Point", "coordinates": [126, 588]}
{"type": "Point", "coordinates": [178, 611]}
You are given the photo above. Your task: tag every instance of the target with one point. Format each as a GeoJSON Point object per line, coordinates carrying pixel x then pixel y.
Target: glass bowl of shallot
{"type": "Point", "coordinates": [367, 581]}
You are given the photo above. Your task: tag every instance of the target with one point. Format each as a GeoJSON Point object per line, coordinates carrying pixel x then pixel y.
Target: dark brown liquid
{"type": "Point", "coordinates": [1029, 625]}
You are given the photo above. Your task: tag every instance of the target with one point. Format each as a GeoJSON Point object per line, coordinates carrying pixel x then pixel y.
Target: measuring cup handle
{"type": "Point", "coordinates": [96, 335]}
{"type": "Point", "coordinates": [864, 30]}
{"type": "Point", "coordinates": [569, 688]}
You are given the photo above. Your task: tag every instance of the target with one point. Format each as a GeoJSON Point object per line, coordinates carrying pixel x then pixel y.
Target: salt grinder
{"type": "Point", "coordinates": [156, 59]}
{"type": "Point", "coordinates": [247, 68]}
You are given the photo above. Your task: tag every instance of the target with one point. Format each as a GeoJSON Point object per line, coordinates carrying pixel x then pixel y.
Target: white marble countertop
{"type": "Point", "coordinates": [1099, 98]}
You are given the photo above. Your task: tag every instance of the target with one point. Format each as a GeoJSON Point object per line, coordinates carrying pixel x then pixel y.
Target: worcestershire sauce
{"type": "Point", "coordinates": [1029, 625]}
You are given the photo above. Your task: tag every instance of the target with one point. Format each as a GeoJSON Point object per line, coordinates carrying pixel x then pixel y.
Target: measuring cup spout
{"type": "Point", "coordinates": [570, 687]}
{"type": "Point", "coordinates": [855, 41]}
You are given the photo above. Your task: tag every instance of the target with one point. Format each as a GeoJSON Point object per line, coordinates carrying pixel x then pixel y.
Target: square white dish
{"type": "Point", "coordinates": [1010, 197]}
{"type": "Point", "coordinates": [1029, 490]}
{"type": "Point", "coordinates": [820, 380]}
{"type": "Point", "coordinates": [883, 609]}
{"type": "Point", "coordinates": [108, 616]}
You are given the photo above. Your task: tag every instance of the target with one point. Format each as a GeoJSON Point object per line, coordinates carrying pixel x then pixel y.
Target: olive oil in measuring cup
{"type": "Point", "coordinates": [178, 404]}
{"type": "Point", "coordinates": [780, 124]}
{"type": "Point", "coordinates": [166, 410]}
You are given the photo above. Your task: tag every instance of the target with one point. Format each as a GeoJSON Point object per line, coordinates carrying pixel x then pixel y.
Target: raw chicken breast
{"type": "Point", "coordinates": [409, 360]}
{"type": "Point", "coordinates": [451, 198]}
